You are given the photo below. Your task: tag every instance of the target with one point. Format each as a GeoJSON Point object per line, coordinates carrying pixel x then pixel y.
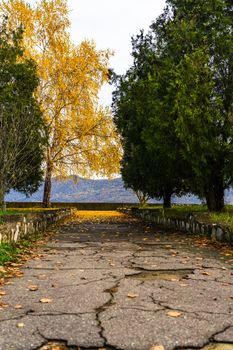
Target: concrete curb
{"type": "Point", "coordinates": [18, 226]}
{"type": "Point", "coordinates": [213, 231]}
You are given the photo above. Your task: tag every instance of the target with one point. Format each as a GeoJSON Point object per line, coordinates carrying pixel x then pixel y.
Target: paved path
{"type": "Point", "coordinates": [115, 283]}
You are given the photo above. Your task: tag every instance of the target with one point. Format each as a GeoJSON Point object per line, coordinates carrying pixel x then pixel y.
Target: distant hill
{"type": "Point", "coordinates": [100, 191]}
{"type": "Point", "coordinates": [81, 190]}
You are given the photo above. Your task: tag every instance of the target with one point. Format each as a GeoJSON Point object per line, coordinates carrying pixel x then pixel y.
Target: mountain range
{"type": "Point", "coordinates": [85, 190]}
{"type": "Point", "coordinates": [99, 191]}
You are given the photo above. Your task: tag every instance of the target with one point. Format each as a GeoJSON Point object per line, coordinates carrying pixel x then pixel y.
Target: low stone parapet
{"type": "Point", "coordinates": [214, 231]}
{"type": "Point", "coordinates": [16, 227]}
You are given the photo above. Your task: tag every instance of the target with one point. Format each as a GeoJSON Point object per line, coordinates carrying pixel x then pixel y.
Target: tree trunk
{"type": "Point", "coordinates": [2, 200]}
{"type": "Point", "coordinates": [47, 185]}
{"type": "Point", "coordinates": [215, 197]}
{"type": "Point", "coordinates": [142, 197]}
{"type": "Point", "coordinates": [167, 199]}
{"type": "Point", "coordinates": [2, 197]}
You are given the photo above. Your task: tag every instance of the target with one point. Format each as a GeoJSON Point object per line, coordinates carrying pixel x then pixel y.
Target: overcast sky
{"type": "Point", "coordinates": [111, 24]}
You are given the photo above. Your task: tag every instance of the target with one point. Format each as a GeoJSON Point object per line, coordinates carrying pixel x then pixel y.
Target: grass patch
{"type": "Point", "coordinates": [13, 252]}
{"type": "Point", "coordinates": [24, 211]}
{"type": "Point", "coordinates": [8, 253]}
{"type": "Point", "coordinates": [200, 212]}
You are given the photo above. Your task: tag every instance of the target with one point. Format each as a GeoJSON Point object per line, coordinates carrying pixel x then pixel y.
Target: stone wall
{"type": "Point", "coordinates": [18, 226]}
{"type": "Point", "coordinates": [215, 232]}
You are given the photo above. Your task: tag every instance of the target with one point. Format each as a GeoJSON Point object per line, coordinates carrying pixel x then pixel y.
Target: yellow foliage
{"type": "Point", "coordinates": [97, 214]}
{"type": "Point", "coordinates": [82, 136]}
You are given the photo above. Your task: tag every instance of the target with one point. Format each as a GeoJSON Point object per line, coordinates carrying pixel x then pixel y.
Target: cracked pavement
{"type": "Point", "coordinates": [114, 282]}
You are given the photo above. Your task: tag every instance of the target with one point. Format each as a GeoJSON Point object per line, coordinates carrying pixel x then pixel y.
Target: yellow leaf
{"type": "Point", "coordinates": [157, 347]}
{"type": "Point", "coordinates": [205, 273]}
{"type": "Point", "coordinates": [132, 295]}
{"type": "Point", "coordinates": [18, 307]}
{"type": "Point", "coordinates": [174, 313]}
{"type": "Point", "coordinates": [45, 300]}
{"type": "Point", "coordinates": [2, 293]}
{"type": "Point", "coordinates": [33, 288]}
{"type": "Point", "coordinates": [20, 325]}
{"type": "Point", "coordinates": [3, 305]}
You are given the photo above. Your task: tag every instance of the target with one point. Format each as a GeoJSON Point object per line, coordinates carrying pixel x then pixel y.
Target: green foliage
{"type": "Point", "coordinates": [8, 253]}
{"type": "Point", "coordinates": [174, 106]}
{"type": "Point", "coordinates": [12, 252]}
{"type": "Point", "coordinates": [201, 35]}
{"type": "Point", "coordinates": [22, 129]}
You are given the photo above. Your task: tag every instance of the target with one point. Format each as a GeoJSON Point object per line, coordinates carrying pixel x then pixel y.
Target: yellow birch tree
{"type": "Point", "coordinates": [83, 139]}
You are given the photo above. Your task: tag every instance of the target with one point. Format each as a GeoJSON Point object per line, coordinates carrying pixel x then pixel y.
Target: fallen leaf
{"type": "Point", "coordinates": [20, 325]}
{"type": "Point", "coordinates": [19, 273]}
{"type": "Point", "coordinates": [132, 295]}
{"type": "Point", "coordinates": [2, 293]}
{"type": "Point", "coordinates": [183, 284]}
{"type": "Point", "coordinates": [157, 347]}
{"type": "Point", "coordinates": [205, 273]}
{"type": "Point", "coordinates": [33, 287]}
{"type": "Point", "coordinates": [3, 305]}
{"type": "Point", "coordinates": [174, 313]}
{"type": "Point", "coordinates": [18, 307]}
{"type": "Point", "coordinates": [14, 264]}
{"type": "Point", "coordinates": [45, 300]}
{"type": "Point", "coordinates": [59, 347]}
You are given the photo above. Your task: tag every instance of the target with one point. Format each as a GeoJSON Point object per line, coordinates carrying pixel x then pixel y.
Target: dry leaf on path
{"type": "Point", "coordinates": [18, 306]}
{"type": "Point", "coordinates": [2, 293]}
{"type": "Point", "coordinates": [174, 313]}
{"type": "Point", "coordinates": [132, 295]}
{"type": "Point", "coordinates": [33, 287]}
{"type": "Point", "coordinates": [45, 300]}
{"type": "Point", "coordinates": [3, 305]}
{"type": "Point", "coordinates": [205, 273]}
{"type": "Point", "coordinates": [157, 347]}
{"type": "Point", "coordinates": [14, 264]}
{"type": "Point", "coordinates": [20, 325]}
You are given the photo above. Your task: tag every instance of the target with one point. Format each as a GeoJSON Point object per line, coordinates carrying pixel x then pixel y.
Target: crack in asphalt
{"type": "Point", "coordinates": [112, 290]}
{"type": "Point", "coordinates": [209, 341]}
{"type": "Point", "coordinates": [197, 314]}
